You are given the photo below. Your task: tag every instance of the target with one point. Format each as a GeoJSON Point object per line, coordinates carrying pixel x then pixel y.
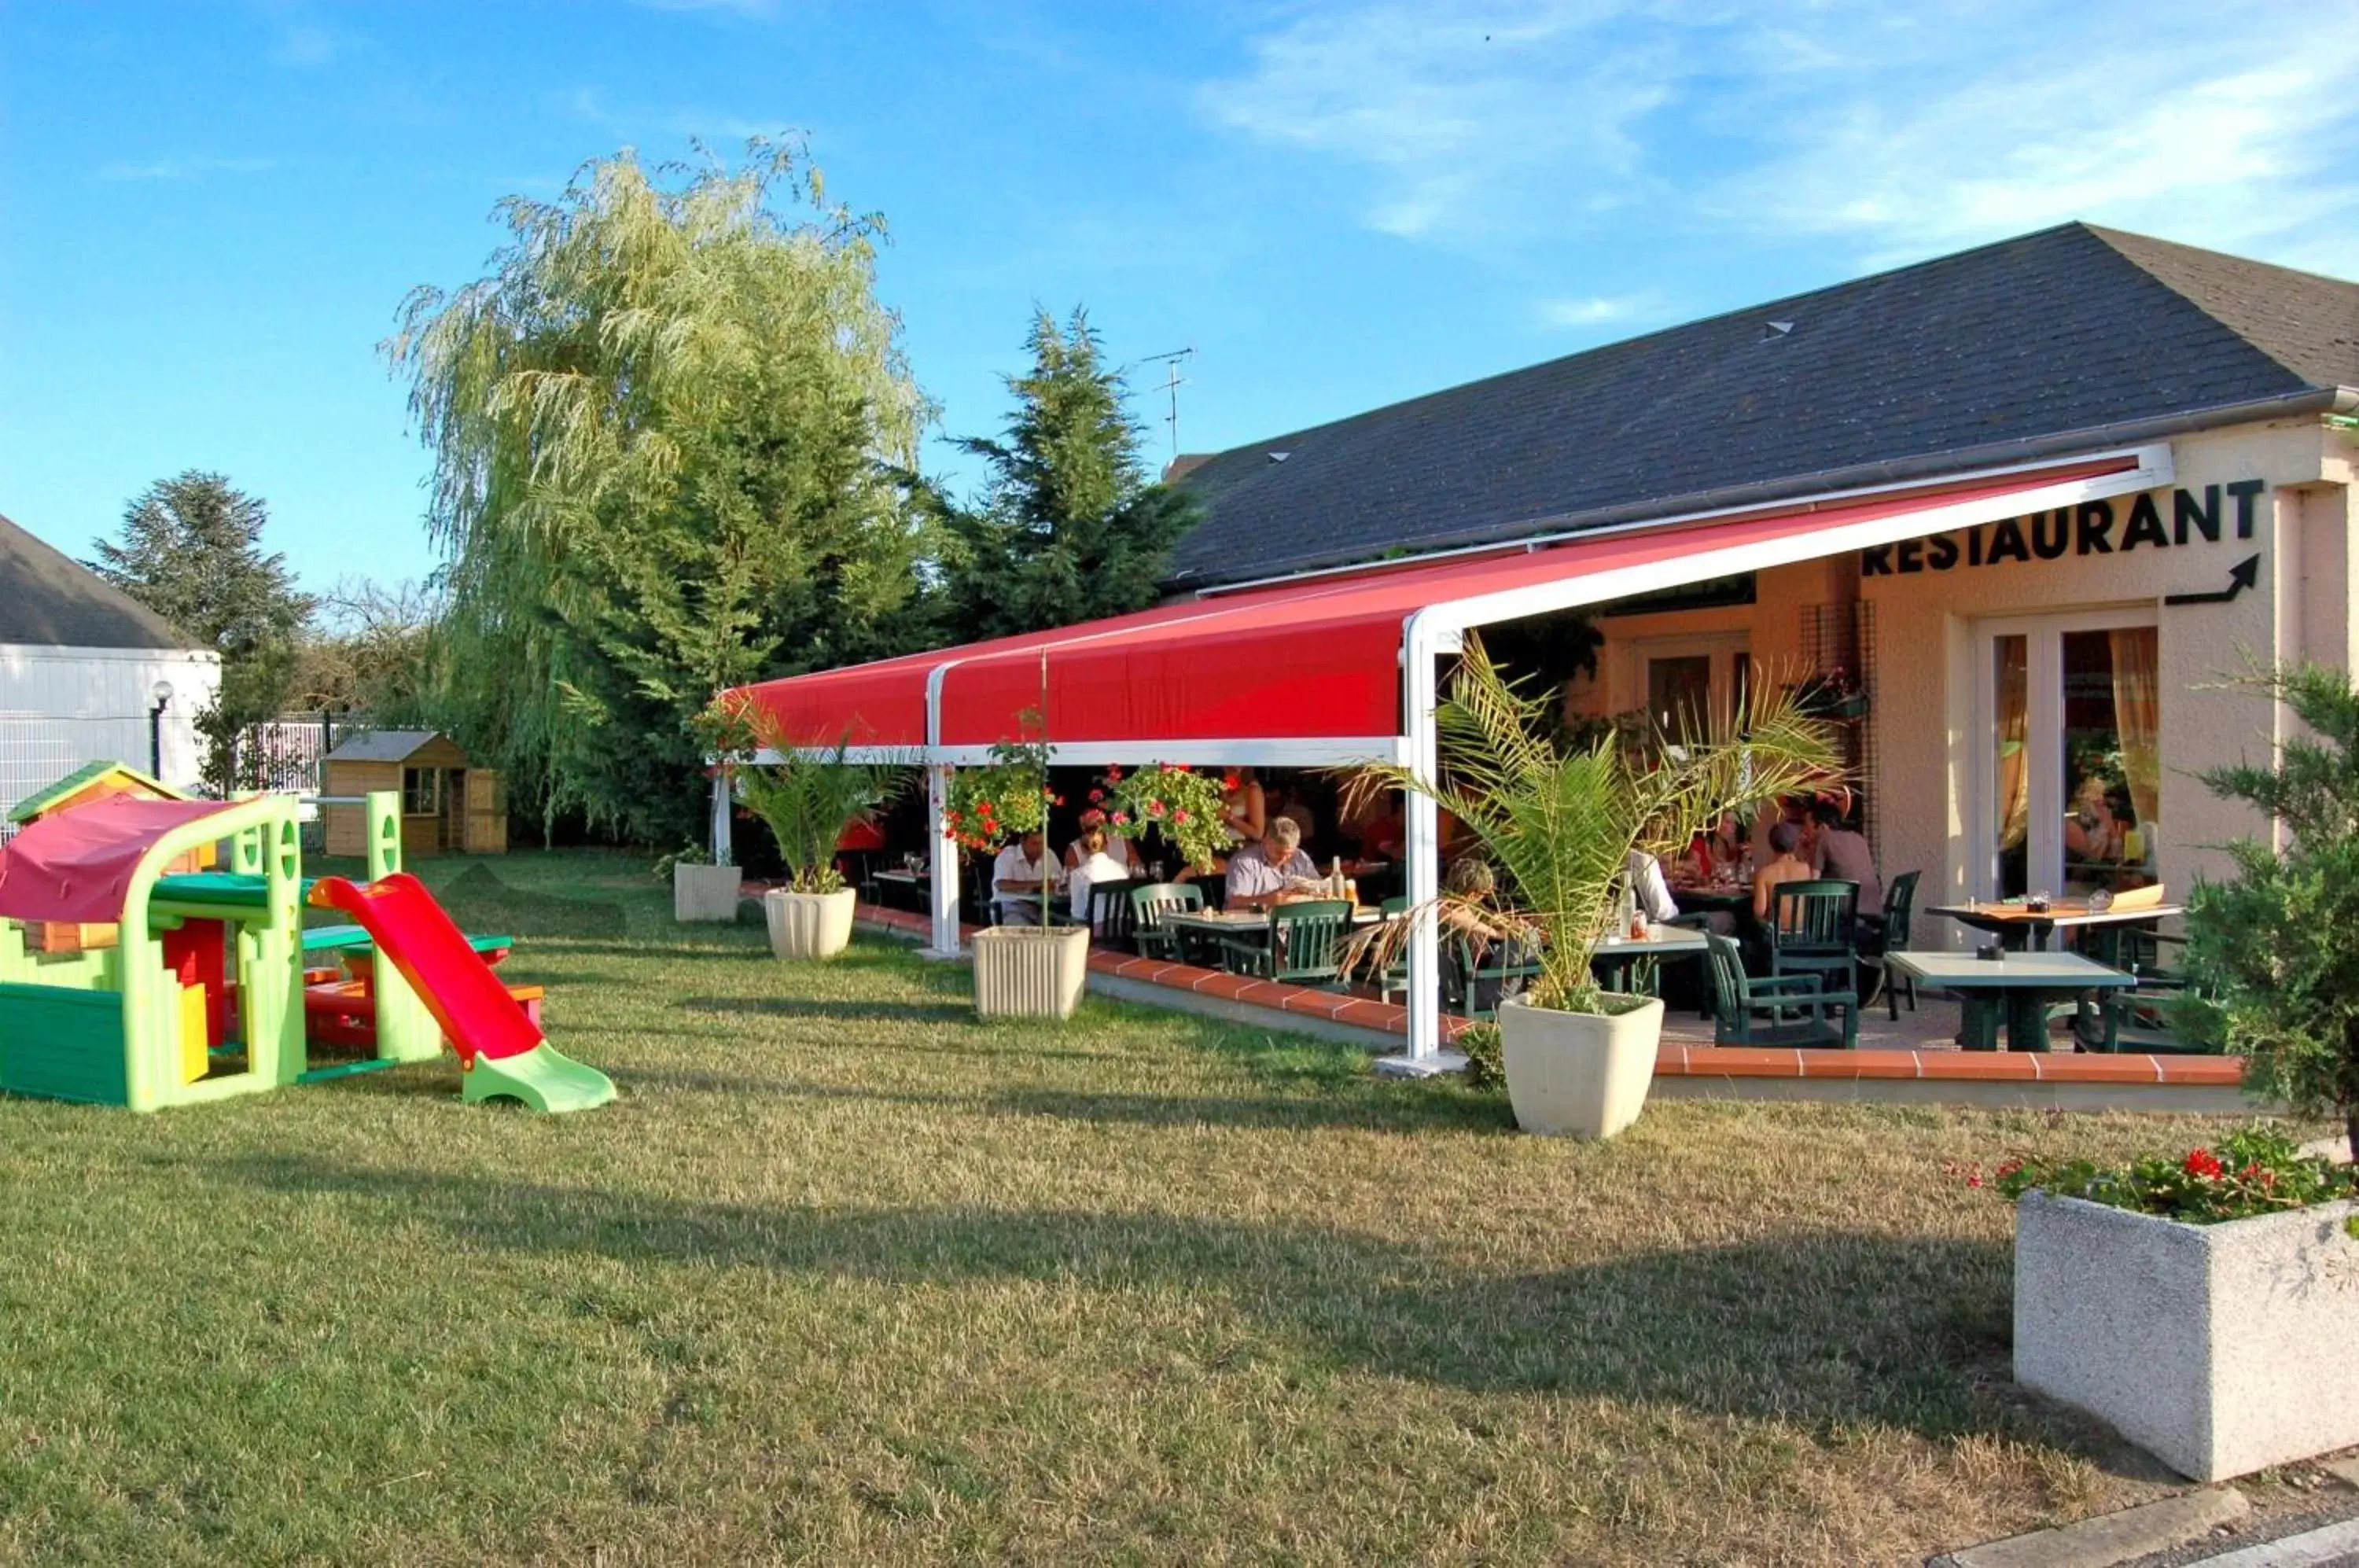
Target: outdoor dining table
{"type": "Point", "coordinates": [1616, 955]}
{"type": "Point", "coordinates": [2021, 986]}
{"type": "Point", "coordinates": [1253, 923]}
{"type": "Point", "coordinates": [2017, 924]}
{"type": "Point", "coordinates": [897, 882]}
{"type": "Point", "coordinates": [1713, 898]}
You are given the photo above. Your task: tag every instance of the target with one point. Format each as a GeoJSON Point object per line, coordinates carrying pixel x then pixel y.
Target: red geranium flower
{"type": "Point", "coordinates": [1122, 819]}
{"type": "Point", "coordinates": [1113, 775]}
{"type": "Point", "coordinates": [1154, 808]}
{"type": "Point", "coordinates": [2204, 1163]}
{"type": "Point", "coordinates": [1180, 816]}
{"type": "Point", "coordinates": [1096, 795]}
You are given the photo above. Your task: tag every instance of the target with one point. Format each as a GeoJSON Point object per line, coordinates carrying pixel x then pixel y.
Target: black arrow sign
{"type": "Point", "coordinates": [2245, 573]}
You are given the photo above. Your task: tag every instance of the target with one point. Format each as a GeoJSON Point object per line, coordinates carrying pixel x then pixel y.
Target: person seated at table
{"type": "Point", "coordinates": [1122, 851]}
{"type": "Point", "coordinates": [1096, 867]}
{"type": "Point", "coordinates": [1841, 853]}
{"type": "Point", "coordinates": [1648, 890]}
{"type": "Point", "coordinates": [1258, 873]}
{"type": "Point", "coordinates": [1382, 835]}
{"type": "Point", "coordinates": [1473, 927]}
{"type": "Point", "coordinates": [1016, 879]}
{"type": "Point", "coordinates": [2092, 834]}
{"type": "Point", "coordinates": [1716, 855]}
{"type": "Point", "coordinates": [1245, 810]}
{"type": "Point", "coordinates": [1786, 865]}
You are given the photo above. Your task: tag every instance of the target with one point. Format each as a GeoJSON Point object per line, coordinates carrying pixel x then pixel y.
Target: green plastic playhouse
{"type": "Point", "coordinates": [205, 984]}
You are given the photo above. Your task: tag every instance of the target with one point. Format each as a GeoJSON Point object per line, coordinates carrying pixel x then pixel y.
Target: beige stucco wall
{"type": "Point", "coordinates": [1928, 746]}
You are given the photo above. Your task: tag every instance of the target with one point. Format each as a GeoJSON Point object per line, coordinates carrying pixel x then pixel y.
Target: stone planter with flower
{"type": "Point", "coordinates": [2206, 1308]}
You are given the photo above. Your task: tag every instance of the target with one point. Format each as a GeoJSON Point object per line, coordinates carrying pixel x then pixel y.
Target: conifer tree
{"type": "Point", "coordinates": [1066, 528]}
{"type": "Point", "coordinates": [2274, 954]}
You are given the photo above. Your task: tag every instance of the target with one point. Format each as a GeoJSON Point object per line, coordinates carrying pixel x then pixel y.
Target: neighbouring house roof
{"type": "Point", "coordinates": [81, 778]}
{"type": "Point", "coordinates": [49, 600]}
{"type": "Point", "coordinates": [2054, 341]}
{"type": "Point", "coordinates": [383, 746]}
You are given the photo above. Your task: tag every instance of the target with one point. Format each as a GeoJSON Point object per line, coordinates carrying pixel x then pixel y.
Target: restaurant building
{"type": "Point", "coordinates": [2017, 511]}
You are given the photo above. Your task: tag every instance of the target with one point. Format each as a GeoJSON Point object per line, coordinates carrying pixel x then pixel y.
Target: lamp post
{"type": "Point", "coordinates": [162, 693]}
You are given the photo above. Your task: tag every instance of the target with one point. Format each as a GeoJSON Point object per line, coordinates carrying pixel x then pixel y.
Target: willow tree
{"type": "Point", "coordinates": [667, 429]}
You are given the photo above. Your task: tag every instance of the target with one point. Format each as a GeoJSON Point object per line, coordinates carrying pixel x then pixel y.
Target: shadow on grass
{"type": "Point", "coordinates": [1824, 1331]}
{"type": "Point", "coordinates": [832, 1008]}
{"type": "Point", "coordinates": [478, 900]}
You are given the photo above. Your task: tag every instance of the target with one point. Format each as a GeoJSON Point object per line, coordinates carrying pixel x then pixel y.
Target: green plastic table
{"type": "Point", "coordinates": [2022, 985]}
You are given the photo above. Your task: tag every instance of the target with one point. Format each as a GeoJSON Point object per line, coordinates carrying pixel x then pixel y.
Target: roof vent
{"type": "Point", "coordinates": [1279, 456]}
{"type": "Point", "coordinates": [1778, 330]}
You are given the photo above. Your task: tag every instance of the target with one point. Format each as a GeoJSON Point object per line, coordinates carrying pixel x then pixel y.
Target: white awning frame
{"type": "Point", "coordinates": [1437, 631]}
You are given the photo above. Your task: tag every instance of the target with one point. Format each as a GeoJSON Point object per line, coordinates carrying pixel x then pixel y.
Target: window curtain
{"type": "Point", "coordinates": [2014, 734]}
{"type": "Point", "coordinates": [2137, 701]}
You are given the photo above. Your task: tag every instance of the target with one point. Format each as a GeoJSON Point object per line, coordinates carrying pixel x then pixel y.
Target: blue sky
{"type": "Point", "coordinates": [212, 211]}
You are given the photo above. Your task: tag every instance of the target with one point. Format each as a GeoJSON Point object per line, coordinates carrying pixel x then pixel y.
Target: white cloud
{"type": "Point", "coordinates": [1599, 309]}
{"type": "Point", "coordinates": [2237, 139]}
{"type": "Point", "coordinates": [1457, 113]}
{"type": "Point", "coordinates": [185, 167]}
{"type": "Point", "coordinates": [1893, 132]}
{"type": "Point", "coordinates": [306, 45]}
{"type": "Point", "coordinates": [709, 124]}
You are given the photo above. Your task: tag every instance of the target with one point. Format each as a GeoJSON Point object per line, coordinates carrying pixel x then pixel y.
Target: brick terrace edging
{"type": "Point", "coordinates": [2040, 1072]}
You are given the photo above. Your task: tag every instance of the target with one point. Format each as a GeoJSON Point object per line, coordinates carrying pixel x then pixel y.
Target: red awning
{"type": "Point", "coordinates": [77, 864]}
{"type": "Point", "coordinates": [1319, 658]}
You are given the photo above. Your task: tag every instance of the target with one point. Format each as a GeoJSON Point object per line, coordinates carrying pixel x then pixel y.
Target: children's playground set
{"type": "Point", "coordinates": [131, 974]}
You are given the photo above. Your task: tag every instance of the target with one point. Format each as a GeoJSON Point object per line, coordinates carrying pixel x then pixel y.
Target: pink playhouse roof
{"type": "Point", "coordinates": [77, 864]}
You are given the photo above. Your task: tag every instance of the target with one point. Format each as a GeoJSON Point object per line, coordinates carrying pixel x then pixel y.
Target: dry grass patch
{"type": "Point", "coordinates": [848, 1276]}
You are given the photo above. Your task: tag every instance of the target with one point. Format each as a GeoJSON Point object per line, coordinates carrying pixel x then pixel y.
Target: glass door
{"type": "Point", "coordinates": [2070, 775]}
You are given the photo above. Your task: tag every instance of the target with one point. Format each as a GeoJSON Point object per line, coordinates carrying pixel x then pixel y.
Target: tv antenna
{"type": "Point", "coordinates": [1172, 382]}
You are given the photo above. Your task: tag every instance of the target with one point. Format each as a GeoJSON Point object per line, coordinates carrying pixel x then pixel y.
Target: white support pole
{"type": "Point", "coordinates": [941, 861]}
{"type": "Point", "coordinates": [724, 814]}
{"type": "Point", "coordinates": [1420, 643]}
{"type": "Point", "coordinates": [942, 854]}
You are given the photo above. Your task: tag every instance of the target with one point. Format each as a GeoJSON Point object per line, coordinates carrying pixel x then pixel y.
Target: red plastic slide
{"type": "Point", "coordinates": [477, 1015]}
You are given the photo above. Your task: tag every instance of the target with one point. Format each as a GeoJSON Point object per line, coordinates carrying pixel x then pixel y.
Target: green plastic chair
{"type": "Point", "coordinates": [1813, 929]}
{"type": "Point", "coordinates": [1393, 977]}
{"type": "Point", "coordinates": [1305, 946]}
{"type": "Point", "coordinates": [1149, 902]}
{"type": "Point", "coordinates": [1891, 934]}
{"type": "Point", "coordinates": [1481, 981]}
{"type": "Point", "coordinates": [1783, 1009]}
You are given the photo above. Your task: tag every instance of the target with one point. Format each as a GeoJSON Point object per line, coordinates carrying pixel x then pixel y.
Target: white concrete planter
{"type": "Point", "coordinates": [809, 925]}
{"type": "Point", "coordinates": [1030, 973]}
{"type": "Point", "coordinates": [1585, 1074]}
{"type": "Point", "coordinates": [2221, 1349]}
{"type": "Point", "coordinates": [705, 892]}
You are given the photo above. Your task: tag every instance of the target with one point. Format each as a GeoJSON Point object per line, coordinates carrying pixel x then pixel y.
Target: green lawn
{"type": "Point", "coordinates": [847, 1276]}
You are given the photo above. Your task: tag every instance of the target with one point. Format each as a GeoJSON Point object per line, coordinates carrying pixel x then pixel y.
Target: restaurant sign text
{"type": "Point", "coordinates": [2091, 528]}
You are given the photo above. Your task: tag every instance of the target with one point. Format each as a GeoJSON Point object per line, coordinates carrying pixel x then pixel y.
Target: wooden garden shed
{"type": "Point", "coordinates": [447, 803]}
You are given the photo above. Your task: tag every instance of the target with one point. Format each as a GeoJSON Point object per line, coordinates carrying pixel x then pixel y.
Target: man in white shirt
{"type": "Point", "coordinates": [1259, 872]}
{"type": "Point", "coordinates": [1016, 879]}
{"type": "Point", "coordinates": [1648, 888]}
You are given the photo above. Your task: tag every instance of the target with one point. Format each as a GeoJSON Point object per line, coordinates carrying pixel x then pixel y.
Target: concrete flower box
{"type": "Point", "coordinates": [705, 892]}
{"type": "Point", "coordinates": [2221, 1349]}
{"type": "Point", "coordinates": [1026, 971]}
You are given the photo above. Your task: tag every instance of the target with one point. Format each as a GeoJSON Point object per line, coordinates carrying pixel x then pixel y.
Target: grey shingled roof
{"type": "Point", "coordinates": [2057, 341]}
{"type": "Point", "coordinates": [381, 745]}
{"type": "Point", "coordinates": [49, 600]}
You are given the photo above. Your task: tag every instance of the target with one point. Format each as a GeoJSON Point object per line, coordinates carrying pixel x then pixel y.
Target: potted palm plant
{"type": "Point", "coordinates": [1559, 822]}
{"type": "Point", "coordinates": [807, 802]}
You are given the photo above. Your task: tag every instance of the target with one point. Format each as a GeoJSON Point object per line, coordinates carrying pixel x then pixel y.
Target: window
{"type": "Point", "coordinates": [421, 791]}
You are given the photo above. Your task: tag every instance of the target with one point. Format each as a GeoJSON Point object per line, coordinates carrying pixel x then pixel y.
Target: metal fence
{"type": "Point", "coordinates": [282, 753]}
